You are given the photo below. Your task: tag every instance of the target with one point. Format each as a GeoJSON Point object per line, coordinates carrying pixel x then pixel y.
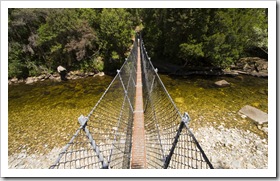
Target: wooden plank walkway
{"type": "Point", "coordinates": [138, 160]}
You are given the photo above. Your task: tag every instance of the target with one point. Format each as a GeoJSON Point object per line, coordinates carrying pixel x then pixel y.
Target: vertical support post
{"type": "Point", "coordinates": [138, 159]}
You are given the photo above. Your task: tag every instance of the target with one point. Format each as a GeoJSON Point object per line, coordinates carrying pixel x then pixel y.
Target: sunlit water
{"type": "Point", "coordinates": [45, 115]}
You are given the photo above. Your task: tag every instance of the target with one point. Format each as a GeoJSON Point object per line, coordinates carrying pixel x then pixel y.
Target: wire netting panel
{"type": "Point", "coordinates": [111, 125]}
{"type": "Point", "coordinates": [79, 154]}
{"type": "Point", "coordinates": [186, 154]}
{"type": "Point", "coordinates": [104, 139]}
{"type": "Point", "coordinates": [168, 143]}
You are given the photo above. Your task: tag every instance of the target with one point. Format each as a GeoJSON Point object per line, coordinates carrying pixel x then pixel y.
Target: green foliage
{"type": "Point", "coordinates": [219, 36]}
{"type": "Point", "coordinates": [93, 65]}
{"type": "Point", "coordinates": [85, 38]}
{"type": "Point", "coordinates": [116, 30]}
{"type": "Point", "coordinates": [99, 39]}
{"type": "Point", "coordinates": [98, 64]}
{"type": "Point", "coordinates": [15, 66]}
{"type": "Point", "coordinates": [190, 51]}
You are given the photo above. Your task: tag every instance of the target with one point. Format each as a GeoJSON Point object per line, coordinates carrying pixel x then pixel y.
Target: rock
{"type": "Point", "coordinates": [237, 164]}
{"type": "Point", "coordinates": [101, 74]}
{"type": "Point", "coordinates": [41, 77]}
{"type": "Point", "coordinates": [265, 129]}
{"type": "Point", "coordinates": [62, 72]}
{"type": "Point", "coordinates": [261, 64]}
{"type": "Point", "coordinates": [254, 66]}
{"type": "Point", "coordinates": [14, 80]}
{"type": "Point", "coordinates": [55, 75]}
{"type": "Point", "coordinates": [222, 83]}
{"type": "Point", "coordinates": [243, 116]}
{"type": "Point", "coordinates": [60, 69]}
{"type": "Point", "coordinates": [29, 80]}
{"type": "Point", "coordinates": [255, 114]}
{"type": "Point", "coordinates": [90, 74]}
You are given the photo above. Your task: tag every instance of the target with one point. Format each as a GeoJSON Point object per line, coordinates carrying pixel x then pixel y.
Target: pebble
{"type": "Point", "coordinates": [243, 116]}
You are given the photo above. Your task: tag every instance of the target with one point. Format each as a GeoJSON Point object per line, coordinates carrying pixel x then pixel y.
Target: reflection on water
{"type": "Point", "coordinates": [44, 115]}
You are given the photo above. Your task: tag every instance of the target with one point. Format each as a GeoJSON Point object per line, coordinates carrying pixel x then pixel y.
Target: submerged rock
{"type": "Point", "coordinates": [222, 83]}
{"type": "Point", "coordinates": [255, 114]}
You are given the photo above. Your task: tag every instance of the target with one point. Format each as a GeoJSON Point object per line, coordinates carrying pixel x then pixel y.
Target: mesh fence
{"type": "Point", "coordinates": [104, 137]}
{"type": "Point", "coordinates": [169, 141]}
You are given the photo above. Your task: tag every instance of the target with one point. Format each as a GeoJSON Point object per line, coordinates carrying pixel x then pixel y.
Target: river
{"type": "Point", "coordinates": [45, 115]}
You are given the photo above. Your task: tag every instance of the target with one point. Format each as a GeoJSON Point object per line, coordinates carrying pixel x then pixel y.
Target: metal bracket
{"type": "Point", "coordinates": [186, 118]}
{"type": "Point", "coordinates": [83, 120]}
{"type": "Point", "coordinates": [118, 71]}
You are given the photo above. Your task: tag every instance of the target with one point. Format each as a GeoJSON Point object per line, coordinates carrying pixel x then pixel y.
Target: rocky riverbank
{"type": "Point", "coordinates": [72, 75]}
{"type": "Point", "coordinates": [253, 66]}
{"type": "Point", "coordinates": [226, 148]}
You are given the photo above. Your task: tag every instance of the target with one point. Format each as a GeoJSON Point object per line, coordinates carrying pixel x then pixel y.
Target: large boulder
{"type": "Point", "coordinates": [255, 114]}
{"type": "Point", "coordinates": [60, 69]}
{"type": "Point", "coordinates": [62, 72]}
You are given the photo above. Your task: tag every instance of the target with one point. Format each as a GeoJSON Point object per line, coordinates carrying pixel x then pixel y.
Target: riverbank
{"type": "Point", "coordinates": [252, 66]}
{"type": "Point", "coordinates": [72, 75]}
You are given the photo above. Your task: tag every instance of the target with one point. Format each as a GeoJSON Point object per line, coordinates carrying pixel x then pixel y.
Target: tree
{"type": "Point", "coordinates": [218, 37]}
{"type": "Point", "coordinates": [67, 37]}
{"type": "Point", "coordinates": [116, 32]}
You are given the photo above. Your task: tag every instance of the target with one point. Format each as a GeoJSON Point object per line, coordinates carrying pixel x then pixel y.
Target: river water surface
{"type": "Point", "coordinates": [45, 115]}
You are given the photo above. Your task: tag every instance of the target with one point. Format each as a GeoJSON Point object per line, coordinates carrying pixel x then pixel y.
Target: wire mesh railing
{"type": "Point", "coordinates": [103, 139]}
{"type": "Point", "coordinates": [169, 141]}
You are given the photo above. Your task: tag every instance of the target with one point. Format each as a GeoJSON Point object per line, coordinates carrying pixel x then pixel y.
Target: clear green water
{"type": "Point", "coordinates": [44, 115]}
{"type": "Point", "coordinates": [208, 104]}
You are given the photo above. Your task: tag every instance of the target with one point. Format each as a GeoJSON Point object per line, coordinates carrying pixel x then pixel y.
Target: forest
{"type": "Point", "coordinates": [94, 40]}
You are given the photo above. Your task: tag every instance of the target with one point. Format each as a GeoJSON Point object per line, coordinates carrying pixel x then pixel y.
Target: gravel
{"type": "Point", "coordinates": [233, 148]}
{"type": "Point", "coordinates": [23, 160]}
{"type": "Point", "coordinates": [225, 148]}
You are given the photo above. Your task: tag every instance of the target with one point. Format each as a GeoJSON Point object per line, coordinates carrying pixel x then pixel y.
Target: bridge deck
{"type": "Point", "coordinates": [138, 136]}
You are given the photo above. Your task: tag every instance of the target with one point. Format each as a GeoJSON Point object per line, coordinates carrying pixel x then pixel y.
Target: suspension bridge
{"type": "Point", "coordinates": [134, 125]}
